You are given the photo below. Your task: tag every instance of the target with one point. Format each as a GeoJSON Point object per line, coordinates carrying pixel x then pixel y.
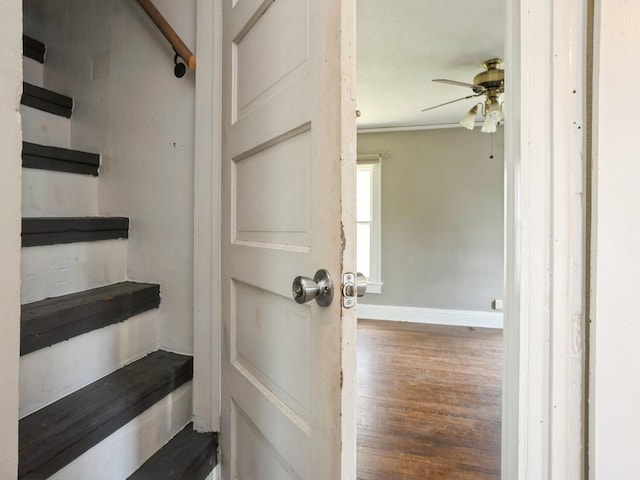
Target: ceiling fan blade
{"type": "Point", "coordinates": [459, 84]}
{"type": "Point", "coordinates": [452, 101]}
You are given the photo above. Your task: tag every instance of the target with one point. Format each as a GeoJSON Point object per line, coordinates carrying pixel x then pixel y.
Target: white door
{"type": "Point", "coordinates": [288, 198]}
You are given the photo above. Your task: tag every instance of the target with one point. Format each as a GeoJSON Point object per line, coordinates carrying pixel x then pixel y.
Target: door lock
{"type": "Point", "coordinates": [320, 287]}
{"type": "Point", "coordinates": [353, 284]}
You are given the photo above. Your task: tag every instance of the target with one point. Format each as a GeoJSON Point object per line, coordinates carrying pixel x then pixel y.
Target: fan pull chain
{"type": "Point", "coordinates": [491, 152]}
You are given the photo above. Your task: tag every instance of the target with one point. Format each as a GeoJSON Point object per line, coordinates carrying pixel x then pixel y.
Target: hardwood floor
{"type": "Point", "coordinates": [429, 402]}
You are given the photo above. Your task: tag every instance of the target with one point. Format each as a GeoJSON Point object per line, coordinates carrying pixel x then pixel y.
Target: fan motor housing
{"type": "Point", "coordinates": [492, 77]}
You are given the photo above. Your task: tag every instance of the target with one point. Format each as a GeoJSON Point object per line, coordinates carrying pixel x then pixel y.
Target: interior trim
{"type": "Point", "coordinates": [433, 316]}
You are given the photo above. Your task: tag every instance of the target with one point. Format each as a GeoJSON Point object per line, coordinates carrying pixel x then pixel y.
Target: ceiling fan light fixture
{"type": "Point", "coordinates": [494, 110]}
{"type": "Point", "coordinates": [488, 83]}
{"type": "Point", "coordinates": [469, 120]}
{"type": "Point", "coordinates": [490, 124]}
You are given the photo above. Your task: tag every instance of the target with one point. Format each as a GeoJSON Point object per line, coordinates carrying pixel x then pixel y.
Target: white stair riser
{"type": "Point", "coordinates": [49, 374]}
{"type": "Point", "coordinates": [122, 453]}
{"type": "Point", "coordinates": [215, 474]}
{"type": "Point", "coordinates": [45, 128]}
{"type": "Point", "coordinates": [33, 72]}
{"type": "Point", "coordinates": [58, 194]}
{"type": "Point", "coordinates": [54, 270]}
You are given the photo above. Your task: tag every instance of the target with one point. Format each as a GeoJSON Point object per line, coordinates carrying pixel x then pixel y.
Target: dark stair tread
{"type": "Point", "coordinates": [47, 322]}
{"type": "Point", "coordinates": [53, 230]}
{"type": "Point", "coordinates": [59, 159]}
{"type": "Point", "coordinates": [33, 49]}
{"type": "Point", "coordinates": [189, 455]}
{"type": "Point", "coordinates": [59, 433]}
{"type": "Point", "coordinates": [46, 100]}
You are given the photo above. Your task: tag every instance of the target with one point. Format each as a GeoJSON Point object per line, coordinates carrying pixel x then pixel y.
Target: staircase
{"type": "Point", "coordinates": [98, 400]}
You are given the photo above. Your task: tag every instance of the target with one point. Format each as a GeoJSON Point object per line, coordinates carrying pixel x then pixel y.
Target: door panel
{"type": "Point", "coordinates": [288, 198]}
{"type": "Point", "coordinates": [285, 50]}
{"type": "Point", "coordinates": [259, 321]}
{"type": "Point", "coordinates": [268, 183]}
{"type": "Point", "coordinates": [258, 446]}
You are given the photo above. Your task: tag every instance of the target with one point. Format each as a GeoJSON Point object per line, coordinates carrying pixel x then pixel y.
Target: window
{"type": "Point", "coordinates": [368, 216]}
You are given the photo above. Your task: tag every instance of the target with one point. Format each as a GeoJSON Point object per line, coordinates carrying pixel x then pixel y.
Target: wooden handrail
{"type": "Point", "coordinates": [170, 34]}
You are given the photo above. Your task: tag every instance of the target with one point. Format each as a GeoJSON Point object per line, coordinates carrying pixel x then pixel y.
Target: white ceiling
{"type": "Point", "coordinates": [403, 44]}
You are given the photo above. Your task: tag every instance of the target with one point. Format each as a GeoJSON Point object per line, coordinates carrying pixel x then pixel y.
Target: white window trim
{"type": "Point", "coordinates": [374, 282]}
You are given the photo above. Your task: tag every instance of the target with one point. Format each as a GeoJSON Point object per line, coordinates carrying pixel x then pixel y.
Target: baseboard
{"type": "Point", "coordinates": [435, 316]}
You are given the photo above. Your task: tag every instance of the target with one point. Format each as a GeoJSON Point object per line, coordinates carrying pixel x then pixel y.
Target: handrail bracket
{"type": "Point", "coordinates": [179, 47]}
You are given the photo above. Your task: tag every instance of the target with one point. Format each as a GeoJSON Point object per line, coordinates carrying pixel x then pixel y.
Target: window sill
{"type": "Point", "coordinates": [374, 287]}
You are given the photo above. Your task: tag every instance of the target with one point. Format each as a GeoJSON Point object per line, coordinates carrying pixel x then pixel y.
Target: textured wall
{"type": "Point", "coordinates": [10, 197]}
{"type": "Point", "coordinates": [130, 107]}
{"type": "Point", "coordinates": [442, 218]}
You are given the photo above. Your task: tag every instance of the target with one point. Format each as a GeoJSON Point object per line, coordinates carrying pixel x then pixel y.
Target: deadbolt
{"type": "Point", "coordinates": [321, 288]}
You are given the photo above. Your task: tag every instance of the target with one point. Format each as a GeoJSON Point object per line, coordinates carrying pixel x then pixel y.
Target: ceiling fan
{"type": "Point", "coordinates": [489, 83]}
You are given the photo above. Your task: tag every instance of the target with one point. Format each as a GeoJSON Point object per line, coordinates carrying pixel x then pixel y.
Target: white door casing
{"type": "Point", "coordinates": [288, 187]}
{"type": "Point", "coordinates": [543, 387]}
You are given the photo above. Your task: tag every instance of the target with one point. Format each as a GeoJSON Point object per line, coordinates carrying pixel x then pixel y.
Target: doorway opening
{"type": "Point", "coordinates": [429, 337]}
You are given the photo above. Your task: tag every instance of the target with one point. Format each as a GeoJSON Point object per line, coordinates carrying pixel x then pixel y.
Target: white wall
{"type": "Point", "coordinates": [615, 303]}
{"type": "Point", "coordinates": [442, 218]}
{"type": "Point", "coordinates": [10, 194]}
{"type": "Point", "coordinates": [148, 173]}
{"type": "Point", "coordinates": [130, 107]}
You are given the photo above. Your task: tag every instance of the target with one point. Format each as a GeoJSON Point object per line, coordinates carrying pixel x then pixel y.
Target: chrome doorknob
{"type": "Point", "coordinates": [305, 289]}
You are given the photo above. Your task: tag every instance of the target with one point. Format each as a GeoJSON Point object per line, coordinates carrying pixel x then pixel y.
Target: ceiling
{"type": "Point", "coordinates": [403, 44]}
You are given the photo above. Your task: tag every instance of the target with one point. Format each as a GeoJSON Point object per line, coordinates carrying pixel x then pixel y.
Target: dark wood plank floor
{"type": "Point", "coordinates": [429, 402]}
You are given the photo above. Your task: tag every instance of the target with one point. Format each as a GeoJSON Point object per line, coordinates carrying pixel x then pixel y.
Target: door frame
{"type": "Point", "coordinates": [543, 387]}
{"type": "Point", "coordinates": [207, 314]}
